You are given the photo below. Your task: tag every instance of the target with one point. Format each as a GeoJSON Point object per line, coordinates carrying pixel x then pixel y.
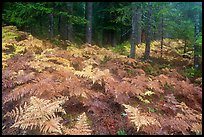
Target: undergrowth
{"type": "Point", "coordinates": [83, 90]}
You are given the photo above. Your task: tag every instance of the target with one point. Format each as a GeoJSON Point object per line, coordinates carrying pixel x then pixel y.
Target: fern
{"type": "Point", "coordinates": [197, 127]}
{"type": "Point", "coordinates": [139, 119]}
{"type": "Point", "coordinates": [52, 125]}
{"type": "Point", "coordinates": [39, 113]}
{"type": "Point", "coordinates": [47, 85]}
{"type": "Point", "coordinates": [95, 75]}
{"type": "Point", "coordinates": [81, 127]}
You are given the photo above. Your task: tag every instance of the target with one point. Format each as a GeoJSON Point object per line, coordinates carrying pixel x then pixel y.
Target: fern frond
{"type": "Point", "coordinates": [139, 119]}
{"type": "Point", "coordinates": [16, 112]}
{"type": "Point", "coordinates": [143, 100]}
{"type": "Point", "coordinates": [53, 125]}
{"type": "Point", "coordinates": [95, 75]}
{"type": "Point", "coordinates": [87, 72]}
{"type": "Point", "coordinates": [197, 127]}
{"type": "Point", "coordinates": [81, 127]}
{"type": "Point", "coordinates": [39, 113]}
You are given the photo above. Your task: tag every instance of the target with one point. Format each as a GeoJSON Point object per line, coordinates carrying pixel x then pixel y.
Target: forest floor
{"type": "Point", "coordinates": [70, 89]}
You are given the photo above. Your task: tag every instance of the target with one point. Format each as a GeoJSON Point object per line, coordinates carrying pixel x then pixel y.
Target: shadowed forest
{"type": "Point", "coordinates": [102, 68]}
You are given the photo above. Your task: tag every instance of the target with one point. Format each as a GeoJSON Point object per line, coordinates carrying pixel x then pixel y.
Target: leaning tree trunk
{"type": "Point", "coordinates": [134, 26]}
{"type": "Point", "coordinates": [196, 63]}
{"type": "Point", "coordinates": [148, 40]}
{"type": "Point", "coordinates": [69, 25]}
{"type": "Point", "coordinates": [89, 24]}
{"type": "Point", "coordinates": [51, 26]}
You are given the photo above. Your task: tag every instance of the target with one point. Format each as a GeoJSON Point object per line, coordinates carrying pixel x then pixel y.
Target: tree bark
{"type": "Point", "coordinates": [184, 49]}
{"type": "Point", "coordinates": [162, 34]}
{"type": "Point", "coordinates": [69, 25]}
{"type": "Point", "coordinates": [134, 26]}
{"type": "Point", "coordinates": [196, 63]}
{"type": "Point", "coordinates": [113, 38]}
{"type": "Point", "coordinates": [139, 17]}
{"type": "Point", "coordinates": [51, 25]}
{"type": "Point", "coordinates": [89, 6]}
{"type": "Point", "coordinates": [59, 25]}
{"type": "Point", "coordinates": [148, 40]}
{"type": "Point", "coordinates": [63, 27]}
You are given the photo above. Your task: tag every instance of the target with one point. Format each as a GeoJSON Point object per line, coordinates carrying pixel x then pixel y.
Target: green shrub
{"type": "Point", "coordinates": [121, 132]}
{"type": "Point", "coordinates": [123, 49]}
{"type": "Point", "coordinates": [192, 73]}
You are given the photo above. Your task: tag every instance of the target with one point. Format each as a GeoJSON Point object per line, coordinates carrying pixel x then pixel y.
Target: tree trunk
{"type": "Point", "coordinates": [89, 24]}
{"type": "Point", "coordinates": [184, 49]}
{"type": "Point", "coordinates": [63, 27]}
{"type": "Point", "coordinates": [113, 37]}
{"type": "Point", "coordinates": [196, 63]}
{"type": "Point", "coordinates": [162, 34]}
{"type": "Point", "coordinates": [148, 40]}
{"type": "Point", "coordinates": [69, 25]}
{"type": "Point", "coordinates": [41, 26]}
{"type": "Point", "coordinates": [134, 26]}
{"type": "Point", "coordinates": [51, 26]}
{"type": "Point", "coordinates": [100, 35]}
{"type": "Point", "coordinates": [143, 36]}
{"type": "Point", "coordinates": [139, 18]}
{"type": "Point", "coordinates": [121, 34]}
{"type": "Point", "coordinates": [59, 25]}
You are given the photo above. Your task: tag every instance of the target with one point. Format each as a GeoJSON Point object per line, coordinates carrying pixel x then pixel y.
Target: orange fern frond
{"type": "Point", "coordinates": [39, 113]}
{"type": "Point", "coordinates": [137, 118]}
{"type": "Point", "coordinates": [81, 127]}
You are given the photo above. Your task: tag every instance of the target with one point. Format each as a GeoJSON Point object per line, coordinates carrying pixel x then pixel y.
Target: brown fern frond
{"type": "Point", "coordinates": [16, 112]}
{"type": "Point", "coordinates": [47, 85]}
{"type": "Point", "coordinates": [19, 92]}
{"type": "Point", "coordinates": [39, 113]}
{"type": "Point", "coordinates": [95, 75]}
{"type": "Point", "coordinates": [139, 119]}
{"type": "Point", "coordinates": [87, 72]}
{"type": "Point", "coordinates": [51, 126]}
{"type": "Point", "coordinates": [197, 127]}
{"type": "Point", "coordinates": [81, 127]}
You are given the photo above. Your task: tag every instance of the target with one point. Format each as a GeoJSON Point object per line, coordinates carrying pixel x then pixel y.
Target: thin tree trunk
{"type": "Point", "coordinates": [69, 25]}
{"type": "Point", "coordinates": [100, 35]}
{"type": "Point", "coordinates": [89, 24]}
{"type": "Point", "coordinates": [184, 49]}
{"type": "Point", "coordinates": [196, 63]}
{"type": "Point", "coordinates": [134, 26]}
{"type": "Point", "coordinates": [113, 38]}
{"type": "Point", "coordinates": [121, 34]}
{"type": "Point", "coordinates": [143, 37]}
{"type": "Point", "coordinates": [41, 26]}
{"type": "Point", "coordinates": [63, 27]}
{"type": "Point", "coordinates": [51, 26]}
{"type": "Point", "coordinates": [162, 34]}
{"type": "Point", "coordinates": [139, 17]}
{"type": "Point", "coordinates": [148, 40]}
{"type": "Point", "coordinates": [59, 25]}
